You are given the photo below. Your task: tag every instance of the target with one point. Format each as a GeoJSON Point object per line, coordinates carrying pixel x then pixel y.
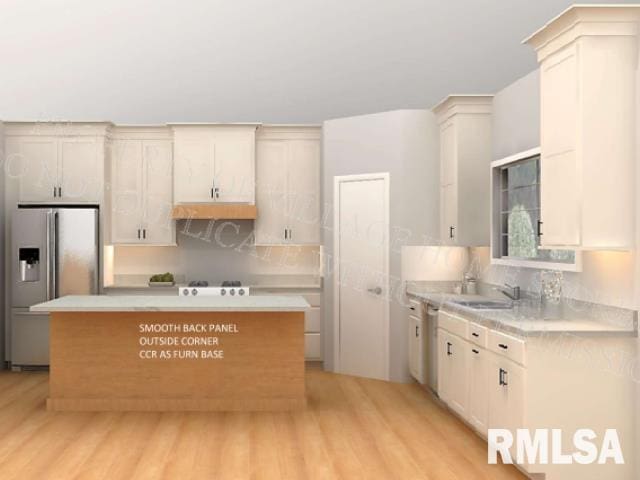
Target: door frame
{"type": "Point", "coordinates": [337, 181]}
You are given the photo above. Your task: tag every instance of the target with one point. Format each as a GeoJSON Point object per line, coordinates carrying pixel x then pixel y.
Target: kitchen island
{"type": "Point", "coordinates": [166, 353]}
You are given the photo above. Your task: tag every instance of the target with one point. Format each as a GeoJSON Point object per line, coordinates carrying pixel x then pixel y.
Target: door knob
{"type": "Point", "coordinates": [375, 291]}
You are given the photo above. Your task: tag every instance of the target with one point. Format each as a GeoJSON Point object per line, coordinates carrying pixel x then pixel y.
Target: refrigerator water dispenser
{"type": "Point", "coordinates": [29, 258]}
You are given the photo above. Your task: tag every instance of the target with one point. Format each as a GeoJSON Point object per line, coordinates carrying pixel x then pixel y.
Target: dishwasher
{"type": "Point", "coordinates": [432, 346]}
{"type": "Point", "coordinates": [423, 344]}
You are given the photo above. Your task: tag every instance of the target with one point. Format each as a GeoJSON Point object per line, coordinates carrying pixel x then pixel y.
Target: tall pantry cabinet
{"type": "Point", "coordinates": [465, 156]}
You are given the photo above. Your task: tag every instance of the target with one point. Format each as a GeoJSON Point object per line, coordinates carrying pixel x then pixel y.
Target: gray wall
{"type": "Point", "coordinates": [215, 252]}
{"type": "Point", "coordinates": [516, 116]}
{"type": "Point", "coordinates": [405, 144]}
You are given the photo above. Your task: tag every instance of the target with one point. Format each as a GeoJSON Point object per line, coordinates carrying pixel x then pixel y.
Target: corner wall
{"type": "Point", "coordinates": [405, 144]}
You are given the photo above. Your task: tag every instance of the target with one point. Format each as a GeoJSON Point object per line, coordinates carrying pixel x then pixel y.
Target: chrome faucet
{"type": "Point", "coordinates": [512, 292]}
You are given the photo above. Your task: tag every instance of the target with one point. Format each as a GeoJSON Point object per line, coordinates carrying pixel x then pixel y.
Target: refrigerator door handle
{"type": "Point", "coordinates": [54, 253]}
{"type": "Point", "coordinates": [48, 253]}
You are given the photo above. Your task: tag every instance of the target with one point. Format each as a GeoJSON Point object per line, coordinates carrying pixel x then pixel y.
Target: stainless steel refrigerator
{"type": "Point", "coordinates": [54, 252]}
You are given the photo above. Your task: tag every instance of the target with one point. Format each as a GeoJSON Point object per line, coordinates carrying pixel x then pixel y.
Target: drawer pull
{"type": "Point", "coordinates": [475, 351]}
{"type": "Point", "coordinates": [474, 334]}
{"type": "Point", "coordinates": [412, 308]}
{"type": "Point", "coordinates": [503, 346]}
{"type": "Point", "coordinates": [449, 345]}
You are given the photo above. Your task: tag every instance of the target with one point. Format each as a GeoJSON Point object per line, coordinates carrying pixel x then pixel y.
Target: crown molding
{"type": "Point", "coordinates": [584, 20]}
{"type": "Point", "coordinates": [463, 104]}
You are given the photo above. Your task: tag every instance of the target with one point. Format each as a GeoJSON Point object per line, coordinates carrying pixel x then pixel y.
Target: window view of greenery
{"type": "Point", "coordinates": [520, 214]}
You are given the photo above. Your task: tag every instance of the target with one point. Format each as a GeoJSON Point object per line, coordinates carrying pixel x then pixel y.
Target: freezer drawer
{"type": "Point", "coordinates": [29, 338]}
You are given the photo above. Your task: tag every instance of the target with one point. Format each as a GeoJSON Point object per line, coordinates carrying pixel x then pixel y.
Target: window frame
{"type": "Point", "coordinates": [496, 212]}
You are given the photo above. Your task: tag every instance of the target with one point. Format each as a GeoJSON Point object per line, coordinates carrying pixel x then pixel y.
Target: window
{"type": "Point", "coordinates": [516, 215]}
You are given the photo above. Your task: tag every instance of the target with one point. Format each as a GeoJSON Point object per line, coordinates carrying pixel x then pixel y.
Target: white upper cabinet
{"type": "Point", "coordinates": [81, 161]}
{"type": "Point", "coordinates": [214, 164]}
{"type": "Point", "coordinates": [57, 163]}
{"type": "Point", "coordinates": [588, 64]}
{"type": "Point", "coordinates": [39, 172]}
{"type": "Point", "coordinates": [194, 170]}
{"type": "Point", "coordinates": [465, 156]}
{"type": "Point", "coordinates": [288, 186]}
{"type": "Point", "coordinates": [142, 187]}
{"type": "Point", "coordinates": [126, 188]}
{"type": "Point", "coordinates": [157, 198]}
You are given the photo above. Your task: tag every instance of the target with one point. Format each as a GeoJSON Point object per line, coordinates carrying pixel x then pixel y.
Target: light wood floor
{"type": "Point", "coordinates": [352, 429]}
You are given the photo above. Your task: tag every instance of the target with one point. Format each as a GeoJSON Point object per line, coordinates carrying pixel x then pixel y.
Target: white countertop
{"type": "Point", "coordinates": [525, 319]}
{"type": "Point", "coordinates": [151, 303]}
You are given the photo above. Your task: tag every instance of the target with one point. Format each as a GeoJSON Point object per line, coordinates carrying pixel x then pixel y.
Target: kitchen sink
{"type": "Point", "coordinates": [484, 304]}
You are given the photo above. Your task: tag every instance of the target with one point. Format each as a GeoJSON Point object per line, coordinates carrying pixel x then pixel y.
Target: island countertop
{"type": "Point", "coordinates": [150, 303]}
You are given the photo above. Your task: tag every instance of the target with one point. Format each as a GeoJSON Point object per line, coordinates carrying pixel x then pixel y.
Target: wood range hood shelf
{"type": "Point", "coordinates": [222, 211]}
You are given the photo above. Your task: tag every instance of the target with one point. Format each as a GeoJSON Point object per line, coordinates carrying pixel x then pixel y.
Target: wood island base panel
{"type": "Point", "coordinates": [176, 361]}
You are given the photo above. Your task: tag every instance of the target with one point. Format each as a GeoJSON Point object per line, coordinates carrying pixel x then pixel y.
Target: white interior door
{"type": "Point", "coordinates": [361, 287]}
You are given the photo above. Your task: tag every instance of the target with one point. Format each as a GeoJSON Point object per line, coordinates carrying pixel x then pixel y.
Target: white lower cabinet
{"type": "Point", "coordinates": [485, 388]}
{"type": "Point", "coordinates": [312, 319]}
{"type": "Point", "coordinates": [478, 371]}
{"type": "Point", "coordinates": [452, 371]}
{"type": "Point", "coordinates": [506, 394]}
{"type": "Point", "coordinates": [509, 382]}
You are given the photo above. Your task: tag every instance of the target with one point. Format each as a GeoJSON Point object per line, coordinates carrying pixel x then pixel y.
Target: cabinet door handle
{"type": "Point", "coordinates": [474, 334]}
{"type": "Point", "coordinates": [59, 192]}
{"type": "Point", "coordinates": [540, 228]}
{"type": "Point", "coordinates": [451, 229]}
{"type": "Point", "coordinates": [144, 233]}
{"type": "Point", "coordinates": [417, 331]}
{"type": "Point", "coordinates": [290, 234]}
{"type": "Point", "coordinates": [211, 193]}
{"type": "Point", "coordinates": [449, 345]}
{"type": "Point", "coordinates": [503, 378]}
{"type": "Point", "coordinates": [55, 192]}
{"type": "Point", "coordinates": [503, 346]}
{"type": "Point", "coordinates": [285, 233]}
{"type": "Point", "coordinates": [138, 234]}
{"type": "Point", "coordinates": [216, 192]}
{"type": "Point", "coordinates": [475, 351]}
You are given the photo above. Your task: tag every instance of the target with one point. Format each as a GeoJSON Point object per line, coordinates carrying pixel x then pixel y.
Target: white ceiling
{"type": "Point", "coordinates": [256, 60]}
